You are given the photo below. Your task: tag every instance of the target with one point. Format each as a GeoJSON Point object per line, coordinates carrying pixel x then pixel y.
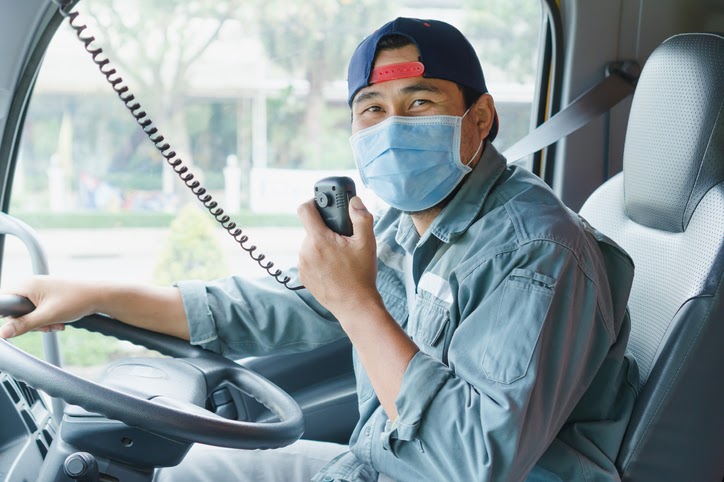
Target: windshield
{"type": "Point", "coordinates": [252, 97]}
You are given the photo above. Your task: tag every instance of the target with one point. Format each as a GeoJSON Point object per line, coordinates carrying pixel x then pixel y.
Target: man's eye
{"type": "Point", "coordinates": [419, 102]}
{"type": "Point", "coordinates": [373, 108]}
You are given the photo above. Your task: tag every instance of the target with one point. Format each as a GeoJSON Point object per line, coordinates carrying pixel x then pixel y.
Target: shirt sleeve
{"type": "Point", "coordinates": [238, 317]}
{"type": "Point", "coordinates": [524, 351]}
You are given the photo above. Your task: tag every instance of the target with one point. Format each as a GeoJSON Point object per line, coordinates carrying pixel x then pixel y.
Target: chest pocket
{"type": "Point", "coordinates": [523, 307]}
{"type": "Point", "coordinates": [429, 324]}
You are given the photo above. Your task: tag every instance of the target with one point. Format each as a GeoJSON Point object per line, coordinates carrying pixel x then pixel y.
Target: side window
{"type": "Point", "coordinates": [251, 96]}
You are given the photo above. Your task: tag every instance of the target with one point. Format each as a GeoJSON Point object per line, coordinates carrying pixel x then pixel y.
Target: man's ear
{"type": "Point", "coordinates": [484, 109]}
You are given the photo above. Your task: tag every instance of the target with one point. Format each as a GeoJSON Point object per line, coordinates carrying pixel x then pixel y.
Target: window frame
{"type": "Point", "coordinates": [19, 106]}
{"type": "Point", "coordinates": [549, 85]}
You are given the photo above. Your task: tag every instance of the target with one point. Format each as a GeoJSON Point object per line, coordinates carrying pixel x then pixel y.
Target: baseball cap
{"type": "Point", "coordinates": [445, 54]}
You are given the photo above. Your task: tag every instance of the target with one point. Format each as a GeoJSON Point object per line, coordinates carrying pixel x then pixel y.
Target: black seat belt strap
{"type": "Point", "coordinates": [619, 83]}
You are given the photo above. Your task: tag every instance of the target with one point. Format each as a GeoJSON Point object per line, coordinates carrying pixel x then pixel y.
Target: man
{"type": "Point", "coordinates": [489, 322]}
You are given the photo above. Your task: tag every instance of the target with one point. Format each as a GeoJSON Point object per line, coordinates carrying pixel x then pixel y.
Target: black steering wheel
{"type": "Point", "coordinates": [176, 420]}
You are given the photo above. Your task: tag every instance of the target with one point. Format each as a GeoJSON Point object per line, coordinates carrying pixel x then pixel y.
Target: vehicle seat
{"type": "Point", "coordinates": [667, 210]}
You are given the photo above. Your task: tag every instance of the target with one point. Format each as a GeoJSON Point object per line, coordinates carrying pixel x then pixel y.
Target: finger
{"type": "Point", "coordinates": [362, 219]}
{"type": "Point", "coordinates": [310, 218]}
{"type": "Point", "coordinates": [7, 330]}
{"type": "Point", "coordinates": [14, 327]}
{"type": "Point", "coordinates": [22, 324]}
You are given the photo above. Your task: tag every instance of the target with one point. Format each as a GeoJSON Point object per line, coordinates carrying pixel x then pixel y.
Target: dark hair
{"type": "Point", "coordinates": [396, 41]}
{"type": "Point", "coordinates": [393, 41]}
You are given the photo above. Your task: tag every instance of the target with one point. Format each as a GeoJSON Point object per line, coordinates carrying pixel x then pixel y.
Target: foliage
{"type": "Point", "coordinates": [40, 135]}
{"type": "Point", "coordinates": [307, 45]}
{"type": "Point", "coordinates": [313, 40]}
{"type": "Point", "coordinates": [503, 32]}
{"type": "Point", "coordinates": [192, 250]}
{"type": "Point", "coordinates": [289, 149]}
{"type": "Point", "coordinates": [102, 131]}
{"type": "Point", "coordinates": [79, 347]}
{"type": "Point", "coordinates": [160, 74]}
{"type": "Point", "coordinates": [316, 37]}
{"type": "Point", "coordinates": [137, 181]}
{"type": "Point", "coordinates": [212, 133]}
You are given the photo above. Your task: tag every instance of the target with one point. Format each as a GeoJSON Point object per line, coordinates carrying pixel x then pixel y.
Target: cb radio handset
{"type": "Point", "coordinates": [332, 195]}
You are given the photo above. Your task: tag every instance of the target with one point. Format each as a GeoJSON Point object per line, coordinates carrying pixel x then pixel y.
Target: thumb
{"type": "Point", "coordinates": [18, 326]}
{"type": "Point", "coordinates": [361, 218]}
{"type": "Point", "coordinates": [7, 330]}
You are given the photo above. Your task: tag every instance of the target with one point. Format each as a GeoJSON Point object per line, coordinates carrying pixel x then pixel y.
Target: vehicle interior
{"type": "Point", "coordinates": [629, 97]}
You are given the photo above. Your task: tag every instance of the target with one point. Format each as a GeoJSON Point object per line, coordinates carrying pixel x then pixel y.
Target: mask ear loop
{"type": "Point", "coordinates": [477, 151]}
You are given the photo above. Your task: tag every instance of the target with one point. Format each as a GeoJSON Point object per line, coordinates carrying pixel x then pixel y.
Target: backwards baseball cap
{"type": "Point", "coordinates": [445, 54]}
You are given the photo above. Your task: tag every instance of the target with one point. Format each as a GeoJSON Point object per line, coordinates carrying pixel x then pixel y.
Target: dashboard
{"type": "Point", "coordinates": [27, 430]}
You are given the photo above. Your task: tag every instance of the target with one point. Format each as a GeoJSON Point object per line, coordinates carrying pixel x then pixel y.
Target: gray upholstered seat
{"type": "Point", "coordinates": [667, 210]}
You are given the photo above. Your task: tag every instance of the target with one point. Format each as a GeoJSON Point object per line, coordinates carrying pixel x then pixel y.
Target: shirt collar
{"type": "Point", "coordinates": [406, 235]}
{"type": "Point", "coordinates": [463, 209]}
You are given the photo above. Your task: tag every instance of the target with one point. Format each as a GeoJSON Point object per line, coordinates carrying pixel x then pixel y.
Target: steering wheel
{"type": "Point", "coordinates": [174, 419]}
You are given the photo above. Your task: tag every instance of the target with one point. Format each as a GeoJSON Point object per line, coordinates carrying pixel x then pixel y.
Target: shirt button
{"type": "Point", "coordinates": [368, 431]}
{"type": "Point", "coordinates": [327, 478]}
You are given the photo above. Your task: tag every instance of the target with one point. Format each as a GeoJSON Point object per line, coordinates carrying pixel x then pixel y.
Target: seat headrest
{"type": "Point", "coordinates": [675, 139]}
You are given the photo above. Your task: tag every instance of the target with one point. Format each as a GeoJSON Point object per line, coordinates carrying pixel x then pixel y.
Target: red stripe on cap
{"type": "Point", "coordinates": [397, 71]}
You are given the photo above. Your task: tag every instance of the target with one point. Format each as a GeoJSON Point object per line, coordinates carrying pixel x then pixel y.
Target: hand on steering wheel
{"type": "Point", "coordinates": [168, 419]}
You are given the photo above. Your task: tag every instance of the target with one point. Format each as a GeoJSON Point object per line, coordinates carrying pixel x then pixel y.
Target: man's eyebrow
{"type": "Point", "coordinates": [366, 96]}
{"type": "Point", "coordinates": [410, 89]}
{"type": "Point", "coordinates": [420, 87]}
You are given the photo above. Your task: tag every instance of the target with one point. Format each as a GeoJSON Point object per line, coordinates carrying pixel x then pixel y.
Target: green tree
{"type": "Point", "coordinates": [80, 348]}
{"type": "Point", "coordinates": [154, 45]}
{"type": "Point", "coordinates": [503, 32]}
{"type": "Point", "coordinates": [192, 250]}
{"type": "Point", "coordinates": [314, 40]}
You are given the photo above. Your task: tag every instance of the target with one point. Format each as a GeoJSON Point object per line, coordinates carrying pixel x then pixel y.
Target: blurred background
{"type": "Point", "coordinates": [251, 95]}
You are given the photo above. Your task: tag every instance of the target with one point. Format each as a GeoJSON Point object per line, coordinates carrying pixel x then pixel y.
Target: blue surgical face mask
{"type": "Point", "coordinates": [411, 163]}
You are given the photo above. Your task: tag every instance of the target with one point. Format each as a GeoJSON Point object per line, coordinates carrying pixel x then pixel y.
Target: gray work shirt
{"type": "Point", "coordinates": [520, 316]}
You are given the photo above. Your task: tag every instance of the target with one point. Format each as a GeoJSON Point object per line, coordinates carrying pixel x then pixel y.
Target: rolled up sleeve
{"type": "Point", "coordinates": [423, 379]}
{"type": "Point", "coordinates": [202, 329]}
{"type": "Point", "coordinates": [237, 317]}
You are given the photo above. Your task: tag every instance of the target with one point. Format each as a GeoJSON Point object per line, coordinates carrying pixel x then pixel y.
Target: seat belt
{"type": "Point", "coordinates": [619, 83]}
